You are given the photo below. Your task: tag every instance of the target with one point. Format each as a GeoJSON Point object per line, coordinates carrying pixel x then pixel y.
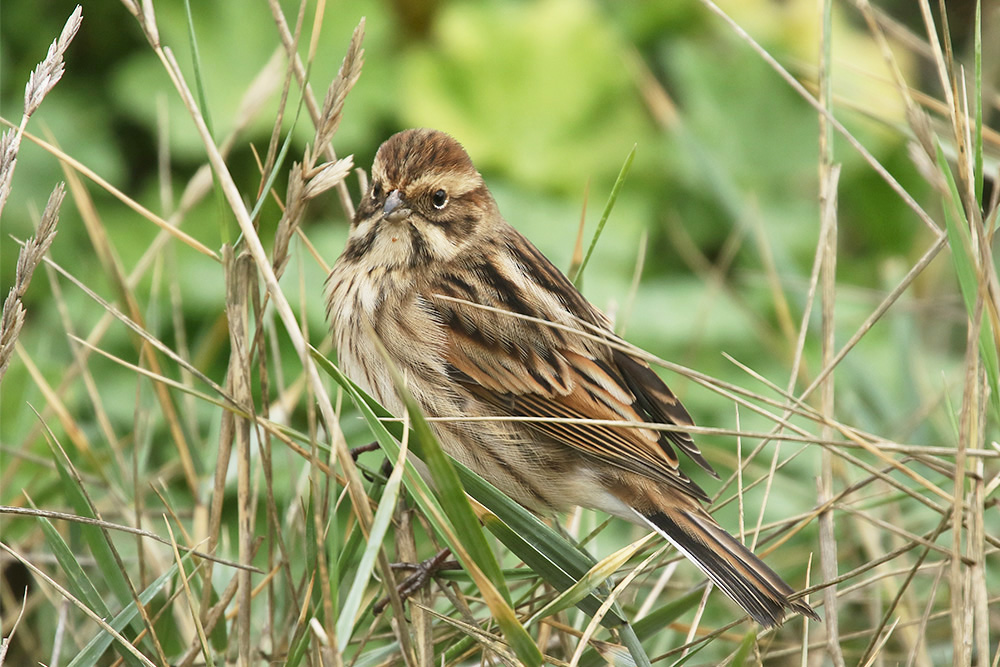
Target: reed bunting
{"type": "Point", "coordinates": [482, 324]}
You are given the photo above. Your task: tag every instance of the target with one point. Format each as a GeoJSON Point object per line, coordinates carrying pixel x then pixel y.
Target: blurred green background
{"type": "Point", "coordinates": [548, 98]}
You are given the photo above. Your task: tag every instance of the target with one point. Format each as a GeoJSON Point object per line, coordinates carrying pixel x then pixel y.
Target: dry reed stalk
{"type": "Point", "coordinates": [41, 81]}
{"type": "Point", "coordinates": [30, 256]}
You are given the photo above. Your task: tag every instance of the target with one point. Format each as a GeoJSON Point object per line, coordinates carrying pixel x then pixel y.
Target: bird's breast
{"type": "Point", "coordinates": [379, 322]}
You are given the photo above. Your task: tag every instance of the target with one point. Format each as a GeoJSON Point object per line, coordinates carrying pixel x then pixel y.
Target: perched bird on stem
{"type": "Point", "coordinates": [481, 324]}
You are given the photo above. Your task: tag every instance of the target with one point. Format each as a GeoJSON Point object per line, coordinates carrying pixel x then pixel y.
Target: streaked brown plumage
{"type": "Point", "coordinates": [427, 244]}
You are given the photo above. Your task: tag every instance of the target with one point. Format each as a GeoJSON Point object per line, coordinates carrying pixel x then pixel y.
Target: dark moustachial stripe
{"type": "Point", "coordinates": [421, 255]}
{"type": "Point", "coordinates": [457, 225]}
{"type": "Point", "coordinates": [366, 208]}
{"type": "Point", "coordinates": [462, 215]}
{"type": "Point", "coordinates": [359, 247]}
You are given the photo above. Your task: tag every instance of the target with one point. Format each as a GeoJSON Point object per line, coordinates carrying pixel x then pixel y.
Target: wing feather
{"type": "Point", "coordinates": [525, 368]}
{"type": "Point", "coordinates": [587, 388]}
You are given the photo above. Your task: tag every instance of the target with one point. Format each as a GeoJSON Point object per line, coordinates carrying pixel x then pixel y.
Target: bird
{"type": "Point", "coordinates": [434, 281]}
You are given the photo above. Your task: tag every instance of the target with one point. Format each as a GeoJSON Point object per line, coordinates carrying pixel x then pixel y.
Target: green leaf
{"type": "Point", "coordinates": [594, 578]}
{"type": "Point", "coordinates": [96, 647]}
{"type": "Point", "coordinates": [381, 655]}
{"type": "Point", "coordinates": [348, 553]}
{"type": "Point", "coordinates": [558, 561]}
{"type": "Point", "coordinates": [300, 645]}
{"type": "Point", "coordinates": [456, 504]}
{"type": "Point", "coordinates": [78, 583]}
{"type": "Point", "coordinates": [203, 107]}
{"type": "Point", "coordinates": [977, 104]}
{"type": "Point", "coordinates": [311, 546]}
{"type": "Point", "coordinates": [649, 625]}
{"type": "Point", "coordinates": [81, 586]}
{"type": "Point", "coordinates": [671, 612]}
{"type": "Point", "coordinates": [95, 538]}
{"type": "Point", "coordinates": [576, 273]}
{"type": "Point", "coordinates": [744, 654]}
{"type": "Point", "coordinates": [966, 268]}
{"type": "Point", "coordinates": [347, 620]}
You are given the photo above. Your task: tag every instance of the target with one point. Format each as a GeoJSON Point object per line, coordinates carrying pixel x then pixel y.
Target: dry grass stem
{"type": "Point", "coordinates": [44, 78]}
{"type": "Point", "coordinates": [41, 81]}
{"type": "Point", "coordinates": [333, 105]}
{"type": "Point", "coordinates": [309, 98]}
{"type": "Point", "coordinates": [852, 412]}
{"type": "Point", "coordinates": [30, 256]}
{"type": "Point", "coordinates": [78, 603]}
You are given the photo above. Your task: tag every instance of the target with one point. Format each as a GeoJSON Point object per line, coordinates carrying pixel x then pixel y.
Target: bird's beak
{"type": "Point", "coordinates": [395, 209]}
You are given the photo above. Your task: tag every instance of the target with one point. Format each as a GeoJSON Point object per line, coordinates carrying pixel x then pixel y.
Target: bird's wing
{"type": "Point", "coordinates": [525, 368]}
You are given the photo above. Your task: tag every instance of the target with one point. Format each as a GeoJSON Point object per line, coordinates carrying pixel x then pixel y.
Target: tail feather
{"type": "Point", "coordinates": [730, 565]}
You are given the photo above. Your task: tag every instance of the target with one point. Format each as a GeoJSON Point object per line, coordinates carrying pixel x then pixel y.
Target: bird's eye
{"type": "Point", "coordinates": [439, 199]}
{"type": "Point", "coordinates": [376, 190]}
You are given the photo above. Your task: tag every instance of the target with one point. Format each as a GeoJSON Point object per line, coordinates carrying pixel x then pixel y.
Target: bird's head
{"type": "Point", "coordinates": [426, 201]}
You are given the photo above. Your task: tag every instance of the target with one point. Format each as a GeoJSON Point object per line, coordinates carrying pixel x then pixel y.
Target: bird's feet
{"type": "Point", "coordinates": [420, 576]}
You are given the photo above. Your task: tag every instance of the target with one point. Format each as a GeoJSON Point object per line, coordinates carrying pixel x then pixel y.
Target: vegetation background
{"type": "Point", "coordinates": [718, 255]}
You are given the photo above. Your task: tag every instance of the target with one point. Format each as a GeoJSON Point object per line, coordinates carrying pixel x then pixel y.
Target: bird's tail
{"type": "Point", "coordinates": [730, 565]}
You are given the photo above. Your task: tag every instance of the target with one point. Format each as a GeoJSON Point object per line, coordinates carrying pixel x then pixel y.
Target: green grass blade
{"type": "Point", "coordinates": [745, 654]}
{"type": "Point", "coordinates": [273, 175]}
{"type": "Point", "coordinates": [450, 491]}
{"type": "Point", "coordinates": [561, 563]}
{"type": "Point", "coordinates": [96, 647]}
{"type": "Point", "coordinates": [631, 641]}
{"type": "Point", "coordinates": [452, 494]}
{"type": "Point", "coordinates": [300, 646]}
{"type": "Point", "coordinates": [590, 581]}
{"type": "Point", "coordinates": [95, 538]}
{"type": "Point", "coordinates": [383, 655]}
{"type": "Point", "coordinates": [962, 253]}
{"type": "Point", "coordinates": [348, 618]}
{"type": "Point", "coordinates": [558, 561]}
{"type": "Point", "coordinates": [442, 517]}
{"type": "Point", "coordinates": [81, 586]}
{"type": "Point", "coordinates": [311, 542]}
{"type": "Point", "coordinates": [649, 626]}
{"type": "Point", "coordinates": [196, 66]}
{"type": "Point", "coordinates": [349, 552]}
{"type": "Point", "coordinates": [977, 173]}
{"type": "Point", "coordinates": [576, 275]}
{"type": "Point", "coordinates": [471, 548]}
{"type": "Point", "coordinates": [670, 612]}
{"type": "Point", "coordinates": [542, 564]}
{"type": "Point", "coordinates": [78, 583]}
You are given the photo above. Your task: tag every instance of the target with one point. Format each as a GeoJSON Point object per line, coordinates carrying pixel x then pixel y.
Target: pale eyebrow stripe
{"type": "Point", "coordinates": [455, 185]}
